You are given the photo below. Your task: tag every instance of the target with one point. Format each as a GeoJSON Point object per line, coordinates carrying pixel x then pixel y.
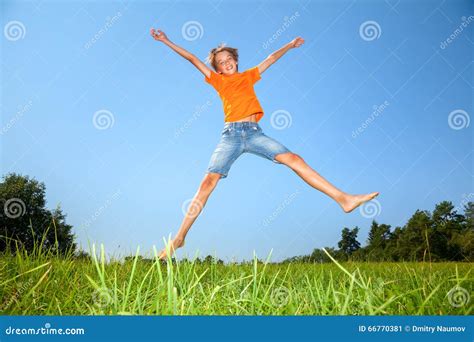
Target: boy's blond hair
{"type": "Point", "coordinates": [211, 58]}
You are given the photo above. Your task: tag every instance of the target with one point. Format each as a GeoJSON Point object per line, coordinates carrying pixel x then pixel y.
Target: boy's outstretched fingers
{"type": "Point", "coordinates": [158, 35]}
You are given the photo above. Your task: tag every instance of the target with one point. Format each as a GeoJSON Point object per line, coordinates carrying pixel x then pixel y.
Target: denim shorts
{"type": "Point", "coordinates": [241, 137]}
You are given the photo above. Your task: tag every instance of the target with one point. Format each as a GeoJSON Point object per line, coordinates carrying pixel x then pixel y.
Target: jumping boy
{"type": "Point", "coordinates": [242, 133]}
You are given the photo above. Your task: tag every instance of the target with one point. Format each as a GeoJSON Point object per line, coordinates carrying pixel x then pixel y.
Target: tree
{"type": "Point", "coordinates": [319, 256]}
{"type": "Point", "coordinates": [24, 219]}
{"type": "Point", "coordinates": [447, 226]}
{"type": "Point", "coordinates": [464, 238]}
{"type": "Point", "coordinates": [379, 236]}
{"type": "Point", "coordinates": [209, 259]}
{"type": "Point", "coordinates": [393, 244]}
{"type": "Point", "coordinates": [413, 242]}
{"type": "Point", "coordinates": [469, 215]}
{"type": "Point", "coordinates": [443, 235]}
{"type": "Point", "coordinates": [82, 255]}
{"type": "Point", "coordinates": [348, 243]}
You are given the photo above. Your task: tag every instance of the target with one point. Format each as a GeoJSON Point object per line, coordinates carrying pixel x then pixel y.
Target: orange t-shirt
{"type": "Point", "coordinates": [237, 93]}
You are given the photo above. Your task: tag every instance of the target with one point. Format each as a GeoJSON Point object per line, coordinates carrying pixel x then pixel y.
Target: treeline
{"type": "Point", "coordinates": [444, 235]}
{"type": "Point", "coordinates": [25, 222]}
{"type": "Point", "coordinates": [206, 260]}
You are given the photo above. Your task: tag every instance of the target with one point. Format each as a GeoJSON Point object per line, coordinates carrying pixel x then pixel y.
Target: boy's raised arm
{"type": "Point", "coordinates": [273, 57]}
{"type": "Point", "coordinates": [161, 36]}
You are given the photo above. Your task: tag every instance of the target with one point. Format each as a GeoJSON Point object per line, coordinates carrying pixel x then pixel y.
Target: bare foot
{"type": "Point", "coordinates": [350, 202]}
{"type": "Point", "coordinates": [175, 244]}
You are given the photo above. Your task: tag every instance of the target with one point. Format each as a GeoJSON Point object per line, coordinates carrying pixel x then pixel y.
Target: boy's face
{"type": "Point", "coordinates": [226, 64]}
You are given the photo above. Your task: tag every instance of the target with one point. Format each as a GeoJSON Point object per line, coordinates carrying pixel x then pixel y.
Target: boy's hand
{"type": "Point", "coordinates": [297, 42]}
{"type": "Point", "coordinates": [158, 35]}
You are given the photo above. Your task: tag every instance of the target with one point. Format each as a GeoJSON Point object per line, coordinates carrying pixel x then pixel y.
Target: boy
{"type": "Point", "coordinates": [241, 132]}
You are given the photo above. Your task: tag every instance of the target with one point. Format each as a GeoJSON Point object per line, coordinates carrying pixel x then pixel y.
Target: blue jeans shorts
{"type": "Point", "coordinates": [241, 137]}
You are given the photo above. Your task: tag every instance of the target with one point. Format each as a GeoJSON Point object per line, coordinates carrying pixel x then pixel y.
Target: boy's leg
{"type": "Point", "coordinates": [198, 202]}
{"type": "Point", "coordinates": [225, 154]}
{"type": "Point", "coordinates": [347, 201]}
{"type": "Point", "coordinates": [273, 150]}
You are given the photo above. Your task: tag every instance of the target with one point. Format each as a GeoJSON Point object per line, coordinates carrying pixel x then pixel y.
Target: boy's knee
{"type": "Point", "coordinates": [210, 181]}
{"type": "Point", "coordinates": [289, 158]}
{"type": "Point", "coordinates": [296, 157]}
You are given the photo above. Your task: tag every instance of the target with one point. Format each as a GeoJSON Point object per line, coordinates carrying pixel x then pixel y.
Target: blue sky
{"type": "Point", "coordinates": [379, 98]}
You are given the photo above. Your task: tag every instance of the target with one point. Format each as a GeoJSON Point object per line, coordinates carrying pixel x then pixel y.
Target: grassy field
{"type": "Point", "coordinates": [41, 283]}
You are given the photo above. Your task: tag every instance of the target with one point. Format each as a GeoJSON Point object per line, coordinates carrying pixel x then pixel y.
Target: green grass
{"type": "Point", "coordinates": [42, 283]}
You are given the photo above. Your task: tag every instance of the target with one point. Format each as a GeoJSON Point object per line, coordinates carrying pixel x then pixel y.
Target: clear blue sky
{"type": "Point", "coordinates": [125, 185]}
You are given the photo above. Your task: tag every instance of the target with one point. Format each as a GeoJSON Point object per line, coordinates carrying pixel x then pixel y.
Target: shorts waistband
{"type": "Point", "coordinates": [241, 124]}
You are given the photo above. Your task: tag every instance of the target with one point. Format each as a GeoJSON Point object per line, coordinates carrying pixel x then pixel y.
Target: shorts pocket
{"type": "Point", "coordinates": [226, 131]}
